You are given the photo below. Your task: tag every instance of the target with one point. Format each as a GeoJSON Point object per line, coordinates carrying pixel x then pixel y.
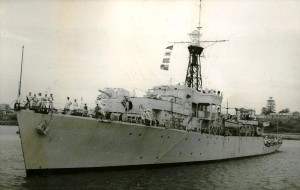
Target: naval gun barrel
{"type": "Point", "coordinates": [108, 94]}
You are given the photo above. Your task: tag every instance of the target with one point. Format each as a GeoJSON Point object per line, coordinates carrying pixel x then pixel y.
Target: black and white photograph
{"type": "Point", "coordinates": [149, 94]}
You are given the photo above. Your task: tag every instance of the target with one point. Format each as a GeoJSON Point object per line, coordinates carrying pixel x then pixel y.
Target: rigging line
{"type": "Point", "coordinates": [210, 45]}
{"type": "Point", "coordinates": [215, 60]}
{"type": "Point", "coordinates": [212, 60]}
{"type": "Point", "coordinates": [210, 68]}
{"type": "Point", "coordinates": [58, 120]}
{"type": "Point", "coordinates": [172, 69]}
{"type": "Point", "coordinates": [14, 101]}
{"type": "Point", "coordinates": [175, 64]}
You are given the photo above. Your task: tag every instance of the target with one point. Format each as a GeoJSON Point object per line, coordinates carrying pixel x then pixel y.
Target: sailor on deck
{"type": "Point", "coordinates": [50, 100]}
{"type": "Point", "coordinates": [39, 102]}
{"type": "Point", "coordinates": [34, 101]}
{"type": "Point", "coordinates": [97, 111]}
{"type": "Point", "coordinates": [75, 105]}
{"type": "Point", "coordinates": [143, 117]}
{"type": "Point", "coordinates": [67, 105]}
{"type": "Point", "coordinates": [148, 119]}
{"type": "Point", "coordinates": [17, 105]}
{"type": "Point", "coordinates": [44, 103]}
{"type": "Point", "coordinates": [29, 101]}
{"type": "Point", "coordinates": [85, 110]}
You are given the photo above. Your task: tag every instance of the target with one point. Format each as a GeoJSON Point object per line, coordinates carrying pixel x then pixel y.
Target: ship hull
{"type": "Point", "coordinates": [73, 142]}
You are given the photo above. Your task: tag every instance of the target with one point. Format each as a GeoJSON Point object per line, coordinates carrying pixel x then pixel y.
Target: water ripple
{"type": "Point", "coordinates": [280, 170]}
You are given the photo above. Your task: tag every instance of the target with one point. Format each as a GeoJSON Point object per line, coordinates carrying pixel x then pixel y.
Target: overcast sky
{"type": "Point", "coordinates": [74, 48]}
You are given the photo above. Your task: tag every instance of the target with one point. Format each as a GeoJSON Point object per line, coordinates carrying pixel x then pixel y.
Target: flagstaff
{"type": "Point", "coordinates": [20, 82]}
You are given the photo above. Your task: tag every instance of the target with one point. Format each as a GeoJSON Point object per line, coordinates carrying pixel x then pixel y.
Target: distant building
{"type": "Point", "coordinates": [271, 105]}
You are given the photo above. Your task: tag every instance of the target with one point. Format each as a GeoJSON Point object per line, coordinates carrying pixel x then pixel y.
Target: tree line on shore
{"type": "Point", "coordinates": [270, 108]}
{"type": "Point", "coordinates": [284, 121]}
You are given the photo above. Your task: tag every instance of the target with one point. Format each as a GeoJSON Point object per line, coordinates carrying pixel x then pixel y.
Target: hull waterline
{"type": "Point", "coordinates": [74, 142]}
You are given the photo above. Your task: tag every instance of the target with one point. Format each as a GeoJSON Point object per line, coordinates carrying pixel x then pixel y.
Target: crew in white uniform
{"type": "Point", "coordinates": [34, 101]}
{"type": "Point", "coordinates": [148, 118]}
{"type": "Point", "coordinates": [67, 105]}
{"type": "Point", "coordinates": [44, 103]}
{"type": "Point", "coordinates": [75, 105]}
{"type": "Point", "coordinates": [50, 100]}
{"type": "Point", "coordinates": [39, 102]}
{"type": "Point", "coordinates": [29, 101]}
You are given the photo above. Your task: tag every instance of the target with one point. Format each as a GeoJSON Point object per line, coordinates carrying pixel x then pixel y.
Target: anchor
{"type": "Point", "coordinates": [42, 128]}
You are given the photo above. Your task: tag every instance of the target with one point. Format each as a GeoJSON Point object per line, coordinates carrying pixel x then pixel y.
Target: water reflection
{"type": "Point", "coordinates": [274, 171]}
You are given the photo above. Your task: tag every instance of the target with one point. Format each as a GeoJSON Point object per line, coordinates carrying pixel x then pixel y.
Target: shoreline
{"type": "Point", "coordinates": [9, 122]}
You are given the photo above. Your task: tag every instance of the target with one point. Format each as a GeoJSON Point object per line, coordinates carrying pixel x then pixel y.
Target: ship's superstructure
{"type": "Point", "coordinates": [178, 107]}
{"type": "Point", "coordinates": [169, 124]}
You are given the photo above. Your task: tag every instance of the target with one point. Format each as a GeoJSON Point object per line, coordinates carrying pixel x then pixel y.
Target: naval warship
{"type": "Point", "coordinates": [170, 124]}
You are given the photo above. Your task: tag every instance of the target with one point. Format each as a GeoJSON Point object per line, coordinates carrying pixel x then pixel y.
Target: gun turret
{"type": "Point", "coordinates": [108, 94]}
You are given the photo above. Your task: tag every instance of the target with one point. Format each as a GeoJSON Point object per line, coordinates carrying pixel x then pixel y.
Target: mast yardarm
{"type": "Point", "coordinates": [193, 77]}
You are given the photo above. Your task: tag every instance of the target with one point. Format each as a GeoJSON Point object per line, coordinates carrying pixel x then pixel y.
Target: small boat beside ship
{"type": "Point", "coordinates": [170, 124]}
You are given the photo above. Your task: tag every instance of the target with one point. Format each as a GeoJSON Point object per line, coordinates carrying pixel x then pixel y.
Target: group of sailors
{"type": "Point", "coordinates": [147, 117]}
{"type": "Point", "coordinates": [39, 103]}
{"type": "Point", "coordinates": [44, 104]}
{"type": "Point", "coordinates": [72, 108]}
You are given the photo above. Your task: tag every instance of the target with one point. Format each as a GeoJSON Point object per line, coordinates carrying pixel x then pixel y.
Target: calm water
{"type": "Point", "coordinates": [280, 170]}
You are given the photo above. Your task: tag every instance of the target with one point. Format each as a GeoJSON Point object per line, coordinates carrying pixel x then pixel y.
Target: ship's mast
{"type": "Point", "coordinates": [193, 77]}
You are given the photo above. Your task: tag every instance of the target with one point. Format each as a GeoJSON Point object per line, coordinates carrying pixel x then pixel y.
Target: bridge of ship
{"type": "Point", "coordinates": [200, 104]}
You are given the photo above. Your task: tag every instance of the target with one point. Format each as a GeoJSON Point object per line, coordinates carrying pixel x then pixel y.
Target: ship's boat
{"type": "Point", "coordinates": [169, 124]}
